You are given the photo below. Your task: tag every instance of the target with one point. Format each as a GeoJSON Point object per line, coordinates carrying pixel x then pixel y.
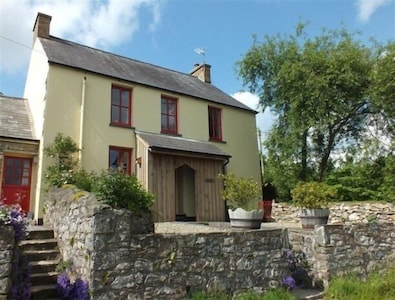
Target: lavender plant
{"type": "Point", "coordinates": [299, 269]}
{"type": "Point", "coordinates": [12, 215]}
{"type": "Point", "coordinates": [67, 290]}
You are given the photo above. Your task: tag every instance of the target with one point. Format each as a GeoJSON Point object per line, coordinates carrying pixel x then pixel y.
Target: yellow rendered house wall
{"type": "Point", "coordinates": [62, 114]}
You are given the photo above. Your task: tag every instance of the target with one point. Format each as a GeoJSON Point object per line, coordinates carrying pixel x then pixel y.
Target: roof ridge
{"type": "Point", "coordinates": [118, 55]}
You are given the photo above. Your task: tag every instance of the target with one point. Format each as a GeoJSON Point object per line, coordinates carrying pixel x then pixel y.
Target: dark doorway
{"type": "Point", "coordinates": [185, 194]}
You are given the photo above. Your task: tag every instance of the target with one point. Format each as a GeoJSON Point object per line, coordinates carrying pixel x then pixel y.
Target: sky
{"type": "Point", "coordinates": [168, 32]}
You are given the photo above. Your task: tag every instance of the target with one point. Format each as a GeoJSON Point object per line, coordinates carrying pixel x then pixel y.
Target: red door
{"type": "Point", "coordinates": [16, 181]}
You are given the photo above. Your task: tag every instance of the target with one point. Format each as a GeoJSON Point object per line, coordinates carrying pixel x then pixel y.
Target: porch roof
{"type": "Point", "coordinates": [15, 118]}
{"type": "Point", "coordinates": [166, 143]}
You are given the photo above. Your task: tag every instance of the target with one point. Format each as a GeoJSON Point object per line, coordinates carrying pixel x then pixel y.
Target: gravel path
{"type": "Point", "coordinates": [197, 227]}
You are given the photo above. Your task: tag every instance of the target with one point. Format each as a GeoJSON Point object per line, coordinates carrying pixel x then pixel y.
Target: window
{"type": "Point", "coordinates": [214, 123]}
{"type": "Point", "coordinates": [120, 159]}
{"type": "Point", "coordinates": [121, 99]}
{"type": "Point", "coordinates": [168, 115]}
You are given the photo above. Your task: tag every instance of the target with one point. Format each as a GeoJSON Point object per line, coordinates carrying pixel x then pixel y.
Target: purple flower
{"type": "Point", "coordinates": [78, 290]}
{"type": "Point", "coordinates": [289, 282]}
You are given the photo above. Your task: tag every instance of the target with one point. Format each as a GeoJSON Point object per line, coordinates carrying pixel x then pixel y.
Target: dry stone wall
{"type": "Point", "coordinates": [122, 257]}
{"type": "Point", "coordinates": [6, 251]}
{"type": "Point", "coordinates": [342, 213]}
{"type": "Point", "coordinates": [334, 250]}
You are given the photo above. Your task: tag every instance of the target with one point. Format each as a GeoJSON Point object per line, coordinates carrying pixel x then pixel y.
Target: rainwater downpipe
{"type": "Point", "coordinates": [81, 140]}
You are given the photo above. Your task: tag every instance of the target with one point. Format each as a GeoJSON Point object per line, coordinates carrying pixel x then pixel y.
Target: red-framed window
{"type": "Point", "coordinates": [120, 159]}
{"type": "Point", "coordinates": [214, 123]}
{"type": "Point", "coordinates": [121, 106]}
{"type": "Point", "coordinates": [168, 115]}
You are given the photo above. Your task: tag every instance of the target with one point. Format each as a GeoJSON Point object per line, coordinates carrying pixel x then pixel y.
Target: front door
{"type": "Point", "coordinates": [16, 181]}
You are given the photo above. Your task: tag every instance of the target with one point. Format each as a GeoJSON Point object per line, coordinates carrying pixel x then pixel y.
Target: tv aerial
{"type": "Point", "coordinates": [201, 51]}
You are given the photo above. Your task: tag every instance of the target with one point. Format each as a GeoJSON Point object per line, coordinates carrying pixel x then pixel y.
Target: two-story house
{"type": "Point", "coordinates": [176, 132]}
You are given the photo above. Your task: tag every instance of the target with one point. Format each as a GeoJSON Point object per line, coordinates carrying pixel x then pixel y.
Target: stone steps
{"type": "Point", "coordinates": [43, 255]}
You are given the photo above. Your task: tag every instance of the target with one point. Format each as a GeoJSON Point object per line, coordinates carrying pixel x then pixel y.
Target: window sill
{"type": "Point", "coordinates": [171, 133]}
{"type": "Point", "coordinates": [121, 126]}
{"type": "Point", "coordinates": [217, 141]}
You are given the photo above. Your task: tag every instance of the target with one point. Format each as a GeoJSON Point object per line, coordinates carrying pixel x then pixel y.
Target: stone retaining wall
{"type": "Point", "coordinates": [6, 251]}
{"type": "Point", "coordinates": [341, 213]}
{"type": "Point", "coordinates": [334, 250]}
{"type": "Point", "coordinates": [121, 256]}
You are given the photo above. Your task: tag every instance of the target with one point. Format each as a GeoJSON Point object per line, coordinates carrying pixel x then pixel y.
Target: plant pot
{"type": "Point", "coordinates": [241, 218]}
{"type": "Point", "coordinates": [310, 217]}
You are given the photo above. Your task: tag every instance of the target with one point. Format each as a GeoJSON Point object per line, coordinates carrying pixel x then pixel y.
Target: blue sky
{"type": "Point", "coordinates": [166, 32]}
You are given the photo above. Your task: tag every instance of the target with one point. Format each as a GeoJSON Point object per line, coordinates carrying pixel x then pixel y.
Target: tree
{"type": "Point", "coordinates": [319, 89]}
{"type": "Point", "coordinates": [382, 92]}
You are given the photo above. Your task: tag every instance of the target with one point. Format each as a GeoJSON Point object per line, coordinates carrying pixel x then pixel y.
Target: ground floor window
{"type": "Point", "coordinates": [120, 159]}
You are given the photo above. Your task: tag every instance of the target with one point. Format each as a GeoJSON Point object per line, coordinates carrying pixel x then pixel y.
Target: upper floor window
{"type": "Point", "coordinates": [168, 115]}
{"type": "Point", "coordinates": [214, 123]}
{"type": "Point", "coordinates": [121, 106]}
{"type": "Point", "coordinates": [120, 159]}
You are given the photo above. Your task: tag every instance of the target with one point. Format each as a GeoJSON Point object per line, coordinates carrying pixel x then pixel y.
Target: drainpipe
{"type": "Point", "coordinates": [226, 205]}
{"type": "Point", "coordinates": [82, 120]}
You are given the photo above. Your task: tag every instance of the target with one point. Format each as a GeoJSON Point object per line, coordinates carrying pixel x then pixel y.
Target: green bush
{"type": "Point", "coordinates": [62, 172]}
{"type": "Point", "coordinates": [84, 180]}
{"type": "Point", "coordinates": [120, 190]}
{"type": "Point", "coordinates": [312, 194]}
{"type": "Point", "coordinates": [240, 192]}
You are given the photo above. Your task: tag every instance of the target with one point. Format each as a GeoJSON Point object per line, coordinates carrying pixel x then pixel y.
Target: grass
{"type": "Point", "coordinates": [273, 294]}
{"type": "Point", "coordinates": [378, 286]}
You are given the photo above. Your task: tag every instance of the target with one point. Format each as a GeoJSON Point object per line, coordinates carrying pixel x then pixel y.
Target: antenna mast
{"type": "Point", "coordinates": [201, 51]}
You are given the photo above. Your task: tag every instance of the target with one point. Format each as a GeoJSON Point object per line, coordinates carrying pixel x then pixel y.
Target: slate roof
{"type": "Point", "coordinates": [174, 143]}
{"type": "Point", "coordinates": [15, 118]}
{"type": "Point", "coordinates": [82, 57]}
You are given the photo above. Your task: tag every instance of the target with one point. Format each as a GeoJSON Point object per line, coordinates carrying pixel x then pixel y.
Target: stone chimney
{"type": "Point", "coordinates": [202, 71]}
{"type": "Point", "coordinates": [41, 26]}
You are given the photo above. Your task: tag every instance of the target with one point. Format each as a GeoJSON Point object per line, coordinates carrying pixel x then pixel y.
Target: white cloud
{"type": "Point", "coordinates": [367, 7]}
{"type": "Point", "coordinates": [264, 120]}
{"type": "Point", "coordinates": [101, 24]}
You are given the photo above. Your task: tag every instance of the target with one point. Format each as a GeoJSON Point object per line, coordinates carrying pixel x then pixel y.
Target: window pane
{"type": "Point", "coordinates": [115, 96]}
{"type": "Point", "coordinates": [25, 181]}
{"type": "Point", "coordinates": [115, 114]}
{"type": "Point", "coordinates": [163, 106]}
{"type": "Point", "coordinates": [164, 122]}
{"type": "Point", "coordinates": [18, 163]}
{"type": "Point", "coordinates": [26, 163]}
{"type": "Point", "coordinates": [113, 159]}
{"type": "Point", "coordinates": [172, 123]}
{"type": "Point", "coordinates": [125, 115]}
{"type": "Point", "coordinates": [172, 108]}
{"type": "Point", "coordinates": [125, 98]}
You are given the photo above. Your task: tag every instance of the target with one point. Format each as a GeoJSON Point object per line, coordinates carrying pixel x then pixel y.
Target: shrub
{"type": "Point", "coordinates": [120, 190]}
{"type": "Point", "coordinates": [62, 148]}
{"type": "Point", "coordinates": [77, 290]}
{"type": "Point", "coordinates": [312, 194]}
{"type": "Point", "coordinates": [84, 180]}
{"type": "Point", "coordinates": [299, 270]}
{"type": "Point", "coordinates": [240, 192]}
{"type": "Point", "coordinates": [12, 215]}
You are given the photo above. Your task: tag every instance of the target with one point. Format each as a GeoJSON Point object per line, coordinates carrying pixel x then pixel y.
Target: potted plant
{"type": "Point", "coordinates": [241, 195]}
{"type": "Point", "coordinates": [312, 198]}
